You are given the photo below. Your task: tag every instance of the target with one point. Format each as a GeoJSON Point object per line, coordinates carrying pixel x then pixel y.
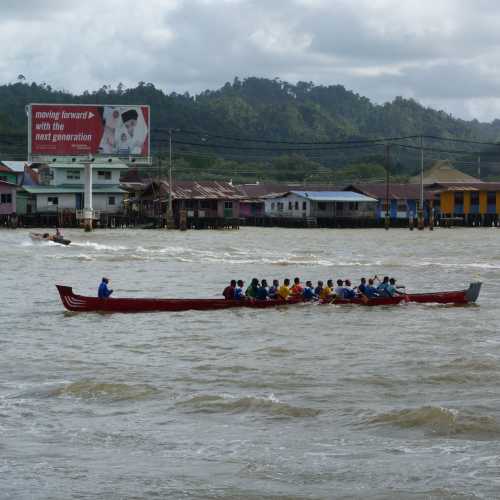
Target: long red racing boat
{"type": "Point", "coordinates": [81, 303]}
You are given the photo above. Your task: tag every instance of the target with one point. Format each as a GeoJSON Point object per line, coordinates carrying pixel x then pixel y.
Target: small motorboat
{"type": "Point", "coordinates": [81, 303]}
{"type": "Point", "coordinates": [49, 237]}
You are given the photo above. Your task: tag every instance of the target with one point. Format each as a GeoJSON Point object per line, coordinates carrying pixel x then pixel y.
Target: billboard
{"type": "Point", "coordinates": [77, 132]}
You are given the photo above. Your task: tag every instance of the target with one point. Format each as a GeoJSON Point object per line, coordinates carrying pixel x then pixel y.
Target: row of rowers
{"type": "Point", "coordinates": [373, 287]}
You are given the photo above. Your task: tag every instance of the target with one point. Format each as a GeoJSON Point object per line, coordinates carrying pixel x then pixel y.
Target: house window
{"type": "Point", "coordinates": [273, 205]}
{"type": "Point", "coordinates": [402, 206]}
{"type": "Point", "coordinates": [321, 205]}
{"type": "Point", "coordinates": [73, 174]}
{"type": "Point", "coordinates": [112, 200]}
{"type": "Point", "coordinates": [280, 206]}
{"type": "Point", "coordinates": [304, 205]}
{"type": "Point", "coordinates": [353, 205]}
{"type": "Point", "coordinates": [296, 205]}
{"type": "Point", "coordinates": [103, 175]}
{"type": "Point", "coordinates": [3, 178]}
{"type": "Point", "coordinates": [52, 200]}
{"type": "Point", "coordinates": [228, 204]}
{"type": "Point", "coordinates": [6, 198]}
{"type": "Point", "coordinates": [205, 204]}
{"type": "Point", "coordinates": [459, 198]}
{"type": "Point", "coordinates": [474, 198]}
{"type": "Point", "coordinates": [290, 205]}
{"type": "Point", "coordinates": [339, 206]}
{"type": "Point", "coordinates": [492, 198]}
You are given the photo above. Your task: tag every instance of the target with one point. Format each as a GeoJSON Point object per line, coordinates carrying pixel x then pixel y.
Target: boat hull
{"type": "Point", "coordinates": [81, 303]}
{"type": "Point", "coordinates": [39, 237]}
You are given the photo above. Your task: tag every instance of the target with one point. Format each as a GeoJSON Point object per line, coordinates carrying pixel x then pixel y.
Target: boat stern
{"type": "Point", "coordinates": [472, 293]}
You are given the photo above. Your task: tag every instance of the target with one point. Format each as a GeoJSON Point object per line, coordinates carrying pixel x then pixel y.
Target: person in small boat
{"type": "Point", "coordinates": [382, 288]}
{"type": "Point", "coordinates": [104, 292]}
{"type": "Point", "coordinates": [229, 290]}
{"type": "Point", "coordinates": [273, 289]}
{"type": "Point", "coordinates": [362, 287]}
{"type": "Point", "coordinates": [297, 287]}
{"type": "Point", "coordinates": [59, 234]}
{"type": "Point", "coordinates": [339, 291]}
{"type": "Point", "coordinates": [391, 289]}
{"type": "Point", "coordinates": [46, 236]}
{"type": "Point", "coordinates": [284, 290]}
{"type": "Point", "coordinates": [251, 291]}
{"type": "Point", "coordinates": [326, 293]}
{"type": "Point", "coordinates": [371, 289]}
{"type": "Point", "coordinates": [349, 293]}
{"type": "Point", "coordinates": [308, 292]}
{"type": "Point", "coordinates": [318, 289]}
{"type": "Point", "coordinates": [238, 291]}
{"type": "Point", "coordinates": [262, 291]}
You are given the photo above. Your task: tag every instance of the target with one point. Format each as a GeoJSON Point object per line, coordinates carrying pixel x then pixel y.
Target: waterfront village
{"type": "Point", "coordinates": [50, 195]}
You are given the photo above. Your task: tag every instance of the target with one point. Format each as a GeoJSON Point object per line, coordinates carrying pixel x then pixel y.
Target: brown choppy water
{"type": "Point", "coordinates": [299, 402]}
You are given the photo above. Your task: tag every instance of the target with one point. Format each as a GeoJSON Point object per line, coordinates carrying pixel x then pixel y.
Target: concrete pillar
{"type": "Point", "coordinates": [88, 211]}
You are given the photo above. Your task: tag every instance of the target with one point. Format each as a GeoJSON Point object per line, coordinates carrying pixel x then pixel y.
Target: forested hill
{"type": "Point", "coordinates": [260, 108]}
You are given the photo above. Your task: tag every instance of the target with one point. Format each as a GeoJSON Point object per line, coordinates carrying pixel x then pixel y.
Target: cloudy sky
{"type": "Point", "coordinates": [443, 53]}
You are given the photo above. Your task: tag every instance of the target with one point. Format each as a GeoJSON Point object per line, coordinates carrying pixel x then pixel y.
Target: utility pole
{"type": "Point", "coordinates": [421, 223]}
{"type": "Point", "coordinates": [387, 219]}
{"type": "Point", "coordinates": [479, 166]}
{"type": "Point", "coordinates": [170, 210]}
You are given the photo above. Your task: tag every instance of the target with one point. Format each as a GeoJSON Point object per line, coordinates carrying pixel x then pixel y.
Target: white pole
{"type": "Point", "coordinates": [421, 214]}
{"type": "Point", "coordinates": [88, 210]}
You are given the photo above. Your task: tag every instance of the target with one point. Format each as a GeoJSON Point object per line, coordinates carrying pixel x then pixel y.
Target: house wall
{"type": "Point", "coordinates": [271, 206]}
{"type": "Point", "coordinates": [229, 213]}
{"type": "Point", "coordinates": [100, 202]}
{"type": "Point", "coordinates": [251, 209]}
{"type": "Point", "coordinates": [7, 208]}
{"type": "Point", "coordinates": [8, 177]}
{"type": "Point", "coordinates": [60, 176]}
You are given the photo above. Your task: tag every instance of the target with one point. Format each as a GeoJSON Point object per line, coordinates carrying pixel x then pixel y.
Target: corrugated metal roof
{"type": "Point", "coordinates": [347, 196]}
{"type": "Point", "coordinates": [95, 166]}
{"type": "Point", "coordinates": [70, 189]}
{"type": "Point", "coordinates": [266, 189]}
{"type": "Point", "coordinates": [15, 166]}
{"type": "Point", "coordinates": [6, 183]}
{"type": "Point", "coordinates": [193, 190]}
{"type": "Point", "coordinates": [396, 191]}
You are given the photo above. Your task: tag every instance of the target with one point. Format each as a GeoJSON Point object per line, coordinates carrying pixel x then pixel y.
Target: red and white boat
{"type": "Point", "coordinates": [81, 303]}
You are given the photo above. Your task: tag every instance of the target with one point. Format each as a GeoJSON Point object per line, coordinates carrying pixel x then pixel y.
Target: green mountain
{"type": "Point", "coordinates": [213, 123]}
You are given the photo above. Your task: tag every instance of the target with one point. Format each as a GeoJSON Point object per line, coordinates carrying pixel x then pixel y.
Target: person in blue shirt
{"type": "Point", "coordinates": [382, 288]}
{"type": "Point", "coordinates": [273, 289]}
{"type": "Point", "coordinates": [362, 286]}
{"type": "Point", "coordinates": [262, 291]}
{"type": "Point", "coordinates": [348, 291]}
{"type": "Point", "coordinates": [392, 289]}
{"type": "Point", "coordinates": [308, 292]}
{"type": "Point", "coordinates": [371, 290]}
{"type": "Point", "coordinates": [104, 292]}
{"type": "Point", "coordinates": [339, 291]}
{"type": "Point", "coordinates": [318, 289]}
{"type": "Point", "coordinates": [238, 291]}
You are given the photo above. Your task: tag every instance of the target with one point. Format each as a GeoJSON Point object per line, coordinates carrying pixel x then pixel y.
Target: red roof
{"type": "Point", "coordinates": [396, 191]}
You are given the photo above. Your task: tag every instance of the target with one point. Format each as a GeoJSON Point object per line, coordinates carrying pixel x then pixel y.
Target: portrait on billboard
{"type": "Point", "coordinates": [124, 130]}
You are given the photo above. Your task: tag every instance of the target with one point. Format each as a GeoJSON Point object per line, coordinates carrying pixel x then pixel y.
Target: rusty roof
{"type": "Point", "coordinates": [465, 186]}
{"type": "Point", "coordinates": [194, 190]}
{"type": "Point", "coordinates": [269, 189]}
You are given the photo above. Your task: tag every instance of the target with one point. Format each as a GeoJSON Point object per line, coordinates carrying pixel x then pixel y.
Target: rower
{"type": "Point", "coordinates": [308, 292]}
{"type": "Point", "coordinates": [262, 291]}
{"type": "Point", "coordinates": [229, 290]}
{"type": "Point", "coordinates": [382, 288]}
{"type": "Point", "coordinates": [238, 291]}
{"type": "Point", "coordinates": [339, 291]}
{"type": "Point", "coordinates": [103, 291]}
{"type": "Point", "coordinates": [362, 286]}
{"type": "Point", "coordinates": [273, 289]}
{"type": "Point", "coordinates": [348, 291]}
{"type": "Point", "coordinates": [327, 292]}
{"type": "Point", "coordinates": [251, 291]}
{"type": "Point", "coordinates": [371, 290]}
{"type": "Point", "coordinates": [59, 233]}
{"type": "Point", "coordinates": [284, 290]}
{"type": "Point", "coordinates": [392, 289]}
{"type": "Point", "coordinates": [297, 287]}
{"type": "Point", "coordinates": [318, 289]}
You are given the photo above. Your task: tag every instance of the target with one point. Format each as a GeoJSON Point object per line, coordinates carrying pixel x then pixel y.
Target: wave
{"type": "Point", "coordinates": [439, 421]}
{"type": "Point", "coordinates": [227, 404]}
{"type": "Point", "coordinates": [99, 246]}
{"type": "Point", "coordinates": [89, 389]}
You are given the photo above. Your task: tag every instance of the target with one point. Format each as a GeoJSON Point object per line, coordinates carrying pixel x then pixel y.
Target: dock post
{"type": "Point", "coordinates": [88, 211]}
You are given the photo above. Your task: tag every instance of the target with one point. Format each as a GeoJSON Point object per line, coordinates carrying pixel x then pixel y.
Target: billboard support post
{"type": "Point", "coordinates": [88, 212]}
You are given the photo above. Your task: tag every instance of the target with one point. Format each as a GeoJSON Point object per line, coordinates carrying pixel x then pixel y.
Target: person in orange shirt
{"type": "Point", "coordinates": [297, 287]}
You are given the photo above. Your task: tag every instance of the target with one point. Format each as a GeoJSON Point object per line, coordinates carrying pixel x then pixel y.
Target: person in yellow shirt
{"type": "Point", "coordinates": [284, 290]}
{"type": "Point", "coordinates": [326, 293]}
